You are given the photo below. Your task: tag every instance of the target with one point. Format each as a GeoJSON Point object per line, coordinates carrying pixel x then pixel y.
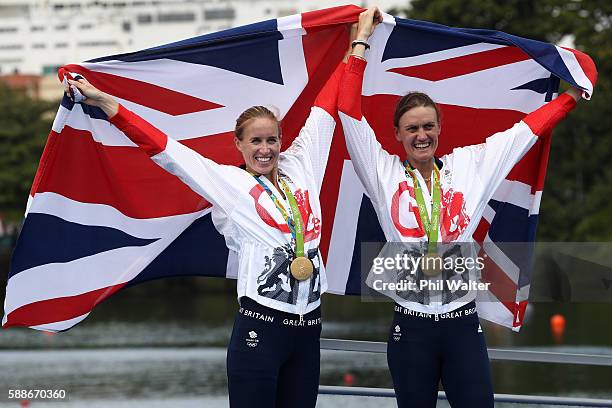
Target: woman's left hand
{"type": "Point", "coordinates": [94, 96]}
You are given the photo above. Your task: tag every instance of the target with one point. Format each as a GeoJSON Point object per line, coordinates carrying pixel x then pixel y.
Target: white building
{"type": "Point", "coordinates": [37, 36]}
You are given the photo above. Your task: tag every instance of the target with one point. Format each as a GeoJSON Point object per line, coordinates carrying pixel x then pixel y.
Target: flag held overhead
{"type": "Point", "coordinates": [102, 216]}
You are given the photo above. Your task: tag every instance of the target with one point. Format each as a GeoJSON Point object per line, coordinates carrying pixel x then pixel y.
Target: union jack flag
{"type": "Point", "coordinates": [102, 217]}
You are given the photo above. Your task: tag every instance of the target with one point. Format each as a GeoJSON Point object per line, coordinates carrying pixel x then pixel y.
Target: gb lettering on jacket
{"type": "Point", "coordinates": [407, 220]}
{"type": "Point", "coordinates": [272, 217]}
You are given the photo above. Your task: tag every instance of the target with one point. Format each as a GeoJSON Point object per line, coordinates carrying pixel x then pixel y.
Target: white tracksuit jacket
{"type": "Point", "coordinates": [246, 215]}
{"type": "Point", "coordinates": [469, 177]}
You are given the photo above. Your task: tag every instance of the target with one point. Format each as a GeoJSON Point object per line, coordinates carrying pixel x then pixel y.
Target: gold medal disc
{"type": "Point", "coordinates": [432, 264]}
{"type": "Point", "coordinates": [301, 268]}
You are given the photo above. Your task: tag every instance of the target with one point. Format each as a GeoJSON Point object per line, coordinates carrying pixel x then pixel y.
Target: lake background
{"type": "Point", "coordinates": [163, 344]}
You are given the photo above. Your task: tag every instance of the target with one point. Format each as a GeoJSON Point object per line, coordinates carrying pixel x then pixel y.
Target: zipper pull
{"type": "Point", "coordinates": [301, 319]}
{"type": "Point", "coordinates": [437, 317]}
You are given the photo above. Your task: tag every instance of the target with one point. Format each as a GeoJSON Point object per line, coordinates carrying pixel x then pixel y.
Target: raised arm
{"type": "Point", "coordinates": [497, 156]}
{"type": "Point", "coordinates": [369, 159]}
{"type": "Point", "coordinates": [315, 138]}
{"type": "Point", "coordinates": [210, 180]}
{"type": "Point", "coordinates": [544, 119]}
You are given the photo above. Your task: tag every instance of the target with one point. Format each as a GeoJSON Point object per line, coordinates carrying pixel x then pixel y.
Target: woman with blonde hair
{"type": "Point", "coordinates": [270, 214]}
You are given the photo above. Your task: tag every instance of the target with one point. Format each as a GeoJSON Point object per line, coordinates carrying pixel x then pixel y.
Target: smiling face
{"type": "Point", "coordinates": [418, 130]}
{"type": "Point", "coordinates": [260, 145]}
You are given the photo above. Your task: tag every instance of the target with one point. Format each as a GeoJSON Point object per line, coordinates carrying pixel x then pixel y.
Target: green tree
{"type": "Point", "coordinates": [576, 204]}
{"type": "Point", "coordinates": [24, 127]}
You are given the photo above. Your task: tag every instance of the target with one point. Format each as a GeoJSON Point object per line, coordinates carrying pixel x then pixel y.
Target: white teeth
{"type": "Point", "coordinates": [263, 159]}
{"type": "Point", "coordinates": [422, 145]}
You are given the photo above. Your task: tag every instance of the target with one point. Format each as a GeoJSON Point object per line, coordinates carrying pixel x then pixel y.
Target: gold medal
{"type": "Point", "coordinates": [301, 268]}
{"type": "Point", "coordinates": [432, 264]}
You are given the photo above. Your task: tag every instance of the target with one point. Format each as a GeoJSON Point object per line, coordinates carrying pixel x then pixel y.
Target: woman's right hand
{"type": "Point", "coordinates": [368, 20]}
{"type": "Point", "coordinates": [94, 96]}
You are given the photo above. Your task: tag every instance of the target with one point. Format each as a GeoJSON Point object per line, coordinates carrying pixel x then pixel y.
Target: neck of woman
{"type": "Point", "coordinates": [272, 176]}
{"type": "Point", "coordinates": [424, 167]}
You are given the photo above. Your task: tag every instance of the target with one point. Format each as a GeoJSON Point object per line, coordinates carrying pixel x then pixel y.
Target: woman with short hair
{"type": "Point", "coordinates": [434, 336]}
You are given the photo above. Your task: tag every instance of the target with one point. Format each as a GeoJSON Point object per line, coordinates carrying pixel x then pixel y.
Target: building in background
{"type": "Point", "coordinates": [37, 36]}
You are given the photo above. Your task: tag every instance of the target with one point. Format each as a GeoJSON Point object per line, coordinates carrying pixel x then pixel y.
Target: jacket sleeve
{"type": "Point", "coordinates": [370, 160]}
{"type": "Point", "coordinates": [314, 140]}
{"type": "Point", "coordinates": [499, 154]}
{"type": "Point", "coordinates": [205, 177]}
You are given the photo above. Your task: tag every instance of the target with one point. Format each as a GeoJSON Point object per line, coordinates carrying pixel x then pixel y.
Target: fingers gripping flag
{"type": "Point", "coordinates": [101, 216]}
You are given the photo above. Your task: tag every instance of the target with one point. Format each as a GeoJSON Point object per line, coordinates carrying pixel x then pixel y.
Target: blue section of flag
{"type": "Point", "coordinates": [249, 50]}
{"type": "Point", "coordinates": [64, 241]}
{"type": "Point", "coordinates": [546, 55]}
{"type": "Point", "coordinates": [540, 85]}
{"type": "Point", "coordinates": [548, 86]}
{"type": "Point", "coordinates": [368, 230]}
{"type": "Point", "coordinates": [66, 102]}
{"type": "Point", "coordinates": [199, 250]}
{"type": "Point", "coordinates": [92, 111]}
{"type": "Point", "coordinates": [436, 37]}
{"type": "Point", "coordinates": [432, 38]}
{"type": "Point", "coordinates": [513, 231]}
{"type": "Point", "coordinates": [511, 223]}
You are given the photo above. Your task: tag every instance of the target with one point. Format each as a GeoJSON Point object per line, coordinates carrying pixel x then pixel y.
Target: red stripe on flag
{"type": "Point", "coordinates": [586, 63]}
{"type": "Point", "coordinates": [481, 231]}
{"type": "Point", "coordinates": [322, 57]}
{"type": "Point", "coordinates": [511, 306]}
{"type": "Point", "coordinates": [165, 100]}
{"type": "Point", "coordinates": [87, 171]}
{"type": "Point", "coordinates": [323, 50]}
{"type": "Point", "coordinates": [536, 158]}
{"type": "Point", "coordinates": [517, 310]}
{"type": "Point", "coordinates": [58, 309]}
{"type": "Point", "coordinates": [531, 169]}
{"type": "Point", "coordinates": [466, 64]}
{"type": "Point", "coordinates": [44, 160]}
{"type": "Point", "coordinates": [219, 148]}
{"type": "Point", "coordinates": [334, 15]}
{"type": "Point", "coordinates": [501, 286]}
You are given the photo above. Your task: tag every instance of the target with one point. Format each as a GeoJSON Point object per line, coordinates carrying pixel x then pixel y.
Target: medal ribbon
{"type": "Point", "coordinates": [430, 226]}
{"type": "Point", "coordinates": [298, 231]}
{"type": "Point", "coordinates": [294, 223]}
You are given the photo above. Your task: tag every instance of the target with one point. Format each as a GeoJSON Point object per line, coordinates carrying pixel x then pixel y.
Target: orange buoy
{"type": "Point", "coordinates": [348, 379]}
{"type": "Point", "coordinates": [557, 327]}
